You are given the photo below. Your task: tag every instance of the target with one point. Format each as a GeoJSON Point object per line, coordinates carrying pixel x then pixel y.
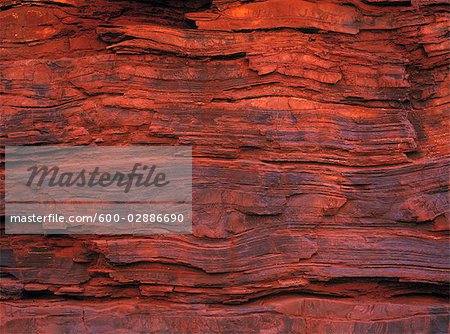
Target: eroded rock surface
{"type": "Point", "coordinates": [320, 141]}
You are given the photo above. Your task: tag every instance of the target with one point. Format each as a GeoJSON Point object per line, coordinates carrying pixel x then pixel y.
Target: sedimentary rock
{"type": "Point", "coordinates": [320, 141]}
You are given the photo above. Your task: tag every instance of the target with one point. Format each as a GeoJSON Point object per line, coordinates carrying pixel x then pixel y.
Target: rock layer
{"type": "Point", "coordinates": [319, 135]}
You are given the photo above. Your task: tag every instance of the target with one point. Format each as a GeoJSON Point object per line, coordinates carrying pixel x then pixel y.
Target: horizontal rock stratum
{"type": "Point", "coordinates": [319, 132]}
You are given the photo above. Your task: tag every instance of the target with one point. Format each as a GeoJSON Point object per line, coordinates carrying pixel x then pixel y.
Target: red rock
{"type": "Point", "coordinates": [319, 134]}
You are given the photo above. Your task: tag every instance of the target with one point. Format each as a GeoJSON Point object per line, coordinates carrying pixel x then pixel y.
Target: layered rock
{"type": "Point", "coordinates": [319, 135]}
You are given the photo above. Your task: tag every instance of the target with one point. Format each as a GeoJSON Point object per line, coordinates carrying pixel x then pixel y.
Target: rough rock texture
{"type": "Point", "coordinates": [320, 141]}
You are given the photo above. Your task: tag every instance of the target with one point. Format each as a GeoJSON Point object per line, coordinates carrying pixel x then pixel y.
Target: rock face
{"type": "Point", "coordinates": [320, 142]}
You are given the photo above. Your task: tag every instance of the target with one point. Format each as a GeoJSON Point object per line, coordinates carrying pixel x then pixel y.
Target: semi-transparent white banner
{"type": "Point", "coordinates": [98, 190]}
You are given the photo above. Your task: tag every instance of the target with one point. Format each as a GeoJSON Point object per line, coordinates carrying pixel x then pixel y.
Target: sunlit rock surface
{"type": "Point", "coordinates": [320, 141]}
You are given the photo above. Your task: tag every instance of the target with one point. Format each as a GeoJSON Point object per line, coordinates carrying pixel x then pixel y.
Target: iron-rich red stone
{"type": "Point", "coordinates": [320, 141]}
